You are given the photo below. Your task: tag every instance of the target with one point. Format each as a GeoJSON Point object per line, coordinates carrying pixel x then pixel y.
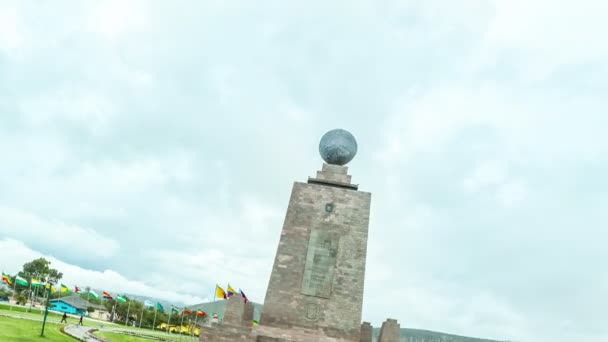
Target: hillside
{"type": "Point", "coordinates": [417, 335]}
{"type": "Point", "coordinates": [408, 335]}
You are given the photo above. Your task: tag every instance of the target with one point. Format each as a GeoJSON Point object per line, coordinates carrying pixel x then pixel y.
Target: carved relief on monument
{"type": "Point", "coordinates": [312, 312]}
{"type": "Point", "coordinates": [320, 263]}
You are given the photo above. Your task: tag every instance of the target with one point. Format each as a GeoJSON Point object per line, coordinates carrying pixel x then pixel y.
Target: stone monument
{"type": "Point", "coordinates": [315, 291]}
{"type": "Point", "coordinates": [390, 331]}
{"type": "Point", "coordinates": [316, 285]}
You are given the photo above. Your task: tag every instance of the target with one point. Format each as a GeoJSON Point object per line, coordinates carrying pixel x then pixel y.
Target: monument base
{"type": "Point", "coordinates": [227, 333]}
{"type": "Point", "coordinates": [237, 326]}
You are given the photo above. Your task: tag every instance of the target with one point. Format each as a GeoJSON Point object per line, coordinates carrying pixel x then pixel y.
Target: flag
{"type": "Point", "coordinates": [121, 299]}
{"type": "Point", "coordinates": [7, 279]}
{"type": "Point", "coordinates": [65, 289]}
{"type": "Point", "coordinates": [52, 288]}
{"type": "Point", "coordinates": [160, 307]}
{"type": "Point", "coordinates": [187, 312]}
{"type": "Point", "coordinates": [22, 281]}
{"type": "Point", "coordinates": [76, 289]}
{"type": "Point", "coordinates": [255, 322]}
{"type": "Point", "coordinates": [148, 304]}
{"type": "Point", "coordinates": [201, 313]}
{"type": "Point", "coordinates": [219, 292]}
{"type": "Point", "coordinates": [36, 283]}
{"type": "Point", "coordinates": [93, 294]}
{"type": "Point", "coordinates": [174, 309]}
{"type": "Point", "coordinates": [107, 295]}
{"type": "Point", "coordinates": [245, 300]}
{"type": "Point", "coordinates": [231, 291]}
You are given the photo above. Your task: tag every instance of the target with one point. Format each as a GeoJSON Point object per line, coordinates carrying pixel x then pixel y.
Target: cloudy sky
{"type": "Point", "coordinates": [151, 146]}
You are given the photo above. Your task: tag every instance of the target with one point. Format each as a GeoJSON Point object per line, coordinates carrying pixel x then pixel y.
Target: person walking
{"type": "Point", "coordinates": [64, 319]}
{"type": "Point", "coordinates": [80, 321]}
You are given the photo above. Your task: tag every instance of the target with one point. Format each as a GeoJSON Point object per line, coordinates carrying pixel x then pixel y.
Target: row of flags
{"type": "Point", "coordinates": [229, 292]}
{"type": "Point", "coordinates": [219, 293]}
{"type": "Point", "coordinates": [35, 283]}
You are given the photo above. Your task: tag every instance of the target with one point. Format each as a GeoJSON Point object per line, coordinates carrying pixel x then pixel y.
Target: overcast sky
{"type": "Point", "coordinates": [150, 147]}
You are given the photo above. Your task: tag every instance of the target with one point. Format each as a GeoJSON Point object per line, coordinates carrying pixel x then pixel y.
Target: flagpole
{"type": "Point", "coordinates": [143, 307]}
{"type": "Point", "coordinates": [114, 311]}
{"type": "Point", "coordinates": [169, 322]}
{"type": "Point", "coordinates": [154, 322]}
{"type": "Point", "coordinates": [14, 291]}
{"type": "Point", "coordinates": [30, 295]}
{"type": "Point", "coordinates": [127, 319]}
{"type": "Point", "coordinates": [195, 320]}
{"type": "Point", "coordinates": [44, 298]}
{"type": "Point", "coordinates": [34, 297]}
{"type": "Point", "coordinates": [181, 323]}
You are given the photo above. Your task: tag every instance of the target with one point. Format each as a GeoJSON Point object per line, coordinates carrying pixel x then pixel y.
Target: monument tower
{"type": "Point", "coordinates": [316, 285]}
{"type": "Point", "coordinates": [315, 291]}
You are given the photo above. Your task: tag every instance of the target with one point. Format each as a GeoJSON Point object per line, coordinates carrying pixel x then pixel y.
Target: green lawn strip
{"type": "Point", "coordinates": [24, 330]}
{"type": "Point", "coordinates": [114, 337]}
{"type": "Point", "coordinates": [26, 309]}
{"type": "Point", "coordinates": [53, 316]}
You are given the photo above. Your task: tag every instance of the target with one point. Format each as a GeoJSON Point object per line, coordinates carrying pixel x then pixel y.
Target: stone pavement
{"type": "Point", "coordinates": [81, 333]}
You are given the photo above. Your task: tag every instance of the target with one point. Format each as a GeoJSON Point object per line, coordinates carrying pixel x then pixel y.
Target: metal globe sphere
{"type": "Point", "coordinates": [338, 147]}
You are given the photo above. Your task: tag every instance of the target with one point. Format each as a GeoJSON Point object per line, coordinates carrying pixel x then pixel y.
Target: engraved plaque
{"type": "Point", "coordinates": [312, 312]}
{"type": "Point", "coordinates": [320, 263]}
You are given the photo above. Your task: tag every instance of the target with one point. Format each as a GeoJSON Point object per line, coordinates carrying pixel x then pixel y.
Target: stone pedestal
{"type": "Point", "coordinates": [390, 331]}
{"type": "Point", "coordinates": [315, 292]}
{"type": "Point", "coordinates": [366, 332]}
{"type": "Point", "coordinates": [236, 325]}
{"type": "Point", "coordinates": [317, 279]}
{"type": "Point", "coordinates": [236, 312]}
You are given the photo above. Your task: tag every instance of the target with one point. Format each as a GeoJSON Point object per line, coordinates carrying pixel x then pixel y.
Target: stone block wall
{"type": "Point", "coordinates": [339, 216]}
{"type": "Point", "coordinates": [390, 331]}
{"type": "Point", "coordinates": [366, 332]}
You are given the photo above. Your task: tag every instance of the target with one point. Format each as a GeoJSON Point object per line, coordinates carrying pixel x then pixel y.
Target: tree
{"type": "Point", "coordinates": [41, 270]}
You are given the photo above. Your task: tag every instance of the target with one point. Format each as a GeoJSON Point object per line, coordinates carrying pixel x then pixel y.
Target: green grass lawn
{"type": "Point", "coordinates": [23, 330]}
{"type": "Point", "coordinates": [36, 312]}
{"type": "Point", "coordinates": [119, 337]}
{"type": "Point", "coordinates": [39, 314]}
{"type": "Point", "coordinates": [114, 337]}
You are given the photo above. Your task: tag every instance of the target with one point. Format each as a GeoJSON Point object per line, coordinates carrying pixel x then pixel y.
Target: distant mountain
{"type": "Point", "coordinates": [407, 335]}
{"type": "Point", "coordinates": [417, 335]}
{"type": "Point", "coordinates": [218, 307]}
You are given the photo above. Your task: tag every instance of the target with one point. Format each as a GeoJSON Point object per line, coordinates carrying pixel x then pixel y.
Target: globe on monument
{"type": "Point", "coordinates": [338, 147]}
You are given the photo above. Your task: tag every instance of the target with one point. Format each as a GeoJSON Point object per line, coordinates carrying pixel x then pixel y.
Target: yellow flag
{"type": "Point", "coordinates": [231, 291]}
{"type": "Point", "coordinates": [219, 292]}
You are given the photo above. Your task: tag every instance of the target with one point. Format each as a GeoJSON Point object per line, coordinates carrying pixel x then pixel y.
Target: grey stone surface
{"type": "Point", "coordinates": [235, 310]}
{"type": "Point", "coordinates": [320, 263]}
{"type": "Point", "coordinates": [390, 331]}
{"type": "Point", "coordinates": [366, 332]}
{"type": "Point", "coordinates": [248, 314]}
{"type": "Point", "coordinates": [338, 147]}
{"type": "Point", "coordinates": [333, 310]}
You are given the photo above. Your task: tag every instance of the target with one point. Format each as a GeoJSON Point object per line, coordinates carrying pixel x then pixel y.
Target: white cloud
{"type": "Point", "coordinates": [511, 193]}
{"type": "Point", "coordinates": [114, 18]}
{"type": "Point", "coordinates": [178, 130]}
{"type": "Point", "coordinates": [544, 34]}
{"type": "Point", "coordinates": [487, 173]}
{"type": "Point", "coordinates": [87, 109]}
{"type": "Point", "coordinates": [14, 254]}
{"type": "Point", "coordinates": [81, 241]}
{"type": "Point", "coordinates": [11, 37]}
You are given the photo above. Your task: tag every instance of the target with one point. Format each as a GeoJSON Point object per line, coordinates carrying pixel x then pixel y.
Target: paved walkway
{"type": "Point", "coordinates": [84, 333]}
{"type": "Point", "coordinates": [81, 333]}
